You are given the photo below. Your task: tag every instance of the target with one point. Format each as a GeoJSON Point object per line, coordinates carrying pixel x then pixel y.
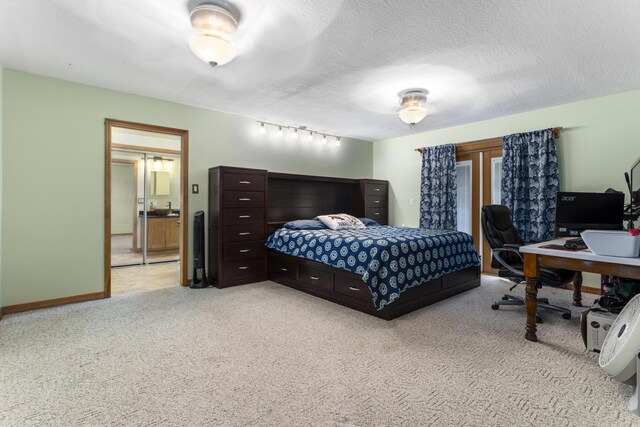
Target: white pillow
{"type": "Point", "coordinates": [340, 221]}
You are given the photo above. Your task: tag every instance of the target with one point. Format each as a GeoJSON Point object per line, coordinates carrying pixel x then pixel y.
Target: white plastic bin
{"type": "Point", "coordinates": [612, 243]}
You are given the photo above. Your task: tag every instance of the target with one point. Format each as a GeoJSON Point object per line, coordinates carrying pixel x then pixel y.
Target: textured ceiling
{"type": "Point", "coordinates": [337, 65]}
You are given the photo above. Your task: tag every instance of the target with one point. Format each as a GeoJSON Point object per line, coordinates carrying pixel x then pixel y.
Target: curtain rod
{"type": "Point", "coordinates": [556, 134]}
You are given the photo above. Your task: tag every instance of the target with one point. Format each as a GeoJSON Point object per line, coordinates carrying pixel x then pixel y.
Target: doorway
{"type": "Point", "coordinates": [479, 176]}
{"type": "Point", "coordinates": [145, 206]}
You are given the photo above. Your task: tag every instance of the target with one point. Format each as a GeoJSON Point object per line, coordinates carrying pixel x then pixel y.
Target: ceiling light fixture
{"type": "Point", "coordinates": [262, 128]}
{"type": "Point", "coordinates": [295, 133]}
{"type": "Point", "coordinates": [214, 27]}
{"type": "Point", "coordinates": [324, 139]}
{"type": "Point", "coordinates": [412, 103]}
{"type": "Point", "coordinates": [338, 142]}
{"type": "Point", "coordinates": [280, 133]}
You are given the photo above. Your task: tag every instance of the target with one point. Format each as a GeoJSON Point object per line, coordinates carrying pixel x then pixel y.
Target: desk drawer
{"type": "Point", "coordinates": [242, 199]}
{"type": "Point", "coordinates": [353, 288]}
{"type": "Point", "coordinates": [243, 233]}
{"type": "Point", "coordinates": [238, 251]}
{"type": "Point", "coordinates": [315, 279]}
{"type": "Point", "coordinates": [242, 216]}
{"type": "Point", "coordinates": [243, 181]}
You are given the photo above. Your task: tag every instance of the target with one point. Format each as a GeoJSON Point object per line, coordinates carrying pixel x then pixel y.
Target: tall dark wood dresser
{"type": "Point", "coordinates": [374, 196]}
{"type": "Point", "coordinates": [237, 226]}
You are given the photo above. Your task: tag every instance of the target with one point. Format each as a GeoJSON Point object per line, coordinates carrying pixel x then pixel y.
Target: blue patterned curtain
{"type": "Point", "coordinates": [438, 190]}
{"type": "Point", "coordinates": [530, 182]}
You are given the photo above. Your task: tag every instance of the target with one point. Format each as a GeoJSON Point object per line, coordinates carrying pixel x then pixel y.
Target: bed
{"type": "Point", "coordinates": [390, 260]}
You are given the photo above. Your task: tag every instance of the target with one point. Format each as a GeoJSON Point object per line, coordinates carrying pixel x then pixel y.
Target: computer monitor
{"type": "Point", "coordinates": [576, 212]}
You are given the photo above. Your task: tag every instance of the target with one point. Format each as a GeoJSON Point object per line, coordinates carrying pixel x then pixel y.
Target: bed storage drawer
{"type": "Point", "coordinates": [315, 279]}
{"type": "Point", "coordinates": [353, 288]}
{"type": "Point", "coordinates": [461, 277]}
{"type": "Point", "coordinates": [282, 269]}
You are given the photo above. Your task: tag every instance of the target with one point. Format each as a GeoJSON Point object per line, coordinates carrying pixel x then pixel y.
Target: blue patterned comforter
{"type": "Point", "coordinates": [390, 259]}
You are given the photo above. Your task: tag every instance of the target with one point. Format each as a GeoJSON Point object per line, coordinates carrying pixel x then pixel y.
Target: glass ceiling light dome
{"type": "Point", "coordinates": [214, 27]}
{"type": "Point", "coordinates": [412, 103]}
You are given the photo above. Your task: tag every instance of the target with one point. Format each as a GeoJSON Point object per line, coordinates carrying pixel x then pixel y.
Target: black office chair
{"type": "Point", "coordinates": [504, 240]}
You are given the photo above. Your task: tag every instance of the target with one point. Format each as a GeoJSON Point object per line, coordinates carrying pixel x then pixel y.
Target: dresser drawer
{"type": "Point", "coordinates": [282, 269]}
{"type": "Point", "coordinates": [243, 181]}
{"type": "Point", "coordinates": [353, 288]}
{"type": "Point", "coordinates": [242, 216]}
{"type": "Point", "coordinates": [375, 201]}
{"type": "Point", "coordinates": [372, 189]}
{"type": "Point", "coordinates": [241, 199]}
{"type": "Point", "coordinates": [243, 269]}
{"type": "Point", "coordinates": [379, 215]}
{"type": "Point", "coordinates": [315, 279]}
{"type": "Point", "coordinates": [238, 251]}
{"type": "Point", "coordinates": [243, 233]}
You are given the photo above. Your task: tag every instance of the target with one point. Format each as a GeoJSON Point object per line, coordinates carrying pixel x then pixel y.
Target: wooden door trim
{"type": "Point", "coordinates": [487, 156]}
{"type": "Point", "coordinates": [184, 196]}
{"type": "Point", "coordinates": [146, 149]}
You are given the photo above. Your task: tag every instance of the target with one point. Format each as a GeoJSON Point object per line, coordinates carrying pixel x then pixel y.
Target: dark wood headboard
{"type": "Point", "coordinates": [294, 197]}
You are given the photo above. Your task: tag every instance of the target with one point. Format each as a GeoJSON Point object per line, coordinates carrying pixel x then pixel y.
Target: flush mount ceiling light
{"type": "Point", "coordinates": [412, 108]}
{"type": "Point", "coordinates": [214, 27]}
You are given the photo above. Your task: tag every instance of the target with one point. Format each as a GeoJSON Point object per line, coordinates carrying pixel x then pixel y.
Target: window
{"type": "Point", "coordinates": [496, 179]}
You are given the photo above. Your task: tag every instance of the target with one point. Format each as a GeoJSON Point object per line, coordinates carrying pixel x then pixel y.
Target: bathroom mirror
{"type": "Point", "coordinates": [160, 184]}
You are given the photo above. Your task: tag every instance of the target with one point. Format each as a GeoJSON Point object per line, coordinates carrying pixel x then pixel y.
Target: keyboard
{"type": "Point", "coordinates": [575, 244]}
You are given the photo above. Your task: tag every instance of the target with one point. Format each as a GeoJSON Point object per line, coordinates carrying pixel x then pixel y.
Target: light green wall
{"type": "Point", "coordinates": [54, 168]}
{"type": "Point", "coordinates": [599, 142]}
{"type": "Point", "coordinates": [1, 175]}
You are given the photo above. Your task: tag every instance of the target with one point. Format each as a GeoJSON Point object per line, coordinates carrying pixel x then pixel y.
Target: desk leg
{"type": "Point", "coordinates": [577, 289]}
{"type": "Point", "coordinates": [531, 270]}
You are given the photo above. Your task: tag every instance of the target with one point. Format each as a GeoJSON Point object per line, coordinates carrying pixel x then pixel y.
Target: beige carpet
{"type": "Point", "coordinates": [264, 354]}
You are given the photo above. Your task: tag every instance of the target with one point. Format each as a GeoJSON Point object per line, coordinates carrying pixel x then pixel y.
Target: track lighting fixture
{"type": "Point", "coordinates": [295, 132]}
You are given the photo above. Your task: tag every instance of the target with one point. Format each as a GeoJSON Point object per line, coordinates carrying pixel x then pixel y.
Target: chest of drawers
{"type": "Point", "coordinates": [237, 225]}
{"type": "Point", "coordinates": [374, 198]}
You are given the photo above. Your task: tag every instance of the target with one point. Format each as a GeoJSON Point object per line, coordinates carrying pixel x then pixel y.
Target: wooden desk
{"type": "Point", "coordinates": [535, 257]}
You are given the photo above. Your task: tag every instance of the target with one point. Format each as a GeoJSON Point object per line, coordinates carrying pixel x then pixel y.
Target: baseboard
{"type": "Point", "coordinates": [18, 308]}
{"type": "Point", "coordinates": [586, 289]}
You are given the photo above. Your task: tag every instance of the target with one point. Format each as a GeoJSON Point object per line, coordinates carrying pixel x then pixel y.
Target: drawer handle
{"type": "Point", "coordinates": [314, 278]}
{"type": "Point", "coordinates": [244, 233]}
{"type": "Point", "coordinates": [376, 201]}
{"type": "Point", "coordinates": [351, 288]}
{"type": "Point", "coordinates": [244, 182]}
{"type": "Point", "coordinates": [244, 216]}
{"type": "Point", "coordinates": [376, 189]}
{"type": "Point", "coordinates": [244, 199]}
{"type": "Point", "coordinates": [244, 267]}
{"type": "Point", "coordinates": [284, 269]}
{"type": "Point", "coordinates": [244, 251]}
{"type": "Point", "coordinates": [376, 213]}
